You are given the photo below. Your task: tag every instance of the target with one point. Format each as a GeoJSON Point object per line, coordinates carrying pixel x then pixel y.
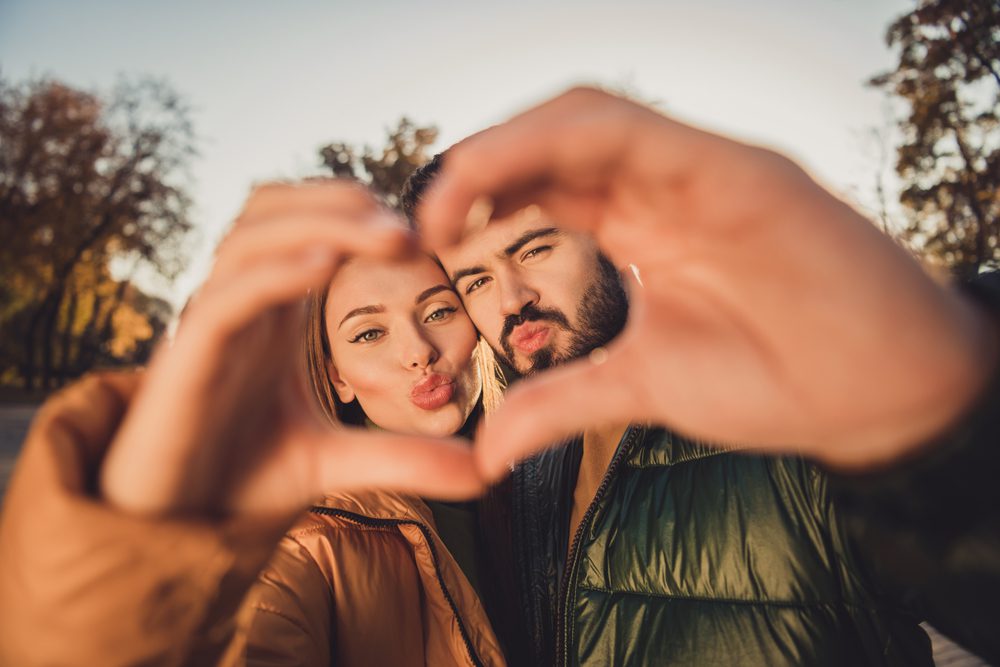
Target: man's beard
{"type": "Point", "coordinates": [601, 314]}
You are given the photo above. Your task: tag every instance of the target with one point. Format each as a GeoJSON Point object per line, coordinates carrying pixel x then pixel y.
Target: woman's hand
{"type": "Point", "coordinates": [223, 421]}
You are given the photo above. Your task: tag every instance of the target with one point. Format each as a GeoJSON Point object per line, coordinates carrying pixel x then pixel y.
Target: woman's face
{"type": "Point", "coordinates": [402, 346]}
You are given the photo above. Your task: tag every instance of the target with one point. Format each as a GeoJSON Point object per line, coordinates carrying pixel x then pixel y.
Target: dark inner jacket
{"type": "Point", "coordinates": [931, 524]}
{"type": "Point", "coordinates": [690, 555]}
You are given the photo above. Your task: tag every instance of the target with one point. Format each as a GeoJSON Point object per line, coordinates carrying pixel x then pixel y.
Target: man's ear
{"type": "Point", "coordinates": [344, 391]}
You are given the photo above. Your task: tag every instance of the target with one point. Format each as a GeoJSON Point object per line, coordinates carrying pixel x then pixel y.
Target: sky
{"type": "Point", "coordinates": [270, 84]}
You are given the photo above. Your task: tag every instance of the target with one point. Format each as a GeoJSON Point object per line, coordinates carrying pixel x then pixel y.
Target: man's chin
{"type": "Point", "coordinates": [540, 360]}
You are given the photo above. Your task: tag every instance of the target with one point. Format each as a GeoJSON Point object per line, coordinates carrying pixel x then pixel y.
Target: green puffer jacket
{"type": "Point", "coordinates": [690, 555]}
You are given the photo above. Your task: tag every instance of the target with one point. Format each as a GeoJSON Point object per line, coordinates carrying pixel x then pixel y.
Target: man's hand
{"type": "Point", "coordinates": [772, 314]}
{"type": "Point", "coordinates": [222, 422]}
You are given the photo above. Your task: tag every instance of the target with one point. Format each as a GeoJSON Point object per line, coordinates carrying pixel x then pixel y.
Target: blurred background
{"type": "Point", "coordinates": [131, 133]}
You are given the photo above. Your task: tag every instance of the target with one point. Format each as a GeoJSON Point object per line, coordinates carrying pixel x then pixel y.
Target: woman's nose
{"type": "Point", "coordinates": [418, 352]}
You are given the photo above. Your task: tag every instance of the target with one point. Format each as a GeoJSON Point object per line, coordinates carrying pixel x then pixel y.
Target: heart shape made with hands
{"type": "Point", "coordinates": [770, 313]}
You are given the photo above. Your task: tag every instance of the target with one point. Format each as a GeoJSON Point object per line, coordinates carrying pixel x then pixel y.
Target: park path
{"type": "Point", "coordinates": [15, 419]}
{"type": "Point", "coordinates": [14, 422]}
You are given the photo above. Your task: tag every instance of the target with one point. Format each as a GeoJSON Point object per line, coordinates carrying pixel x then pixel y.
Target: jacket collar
{"type": "Point", "coordinates": [380, 505]}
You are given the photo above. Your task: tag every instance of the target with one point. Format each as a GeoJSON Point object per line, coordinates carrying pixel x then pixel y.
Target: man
{"type": "Point", "coordinates": [638, 546]}
{"type": "Point", "coordinates": [795, 325]}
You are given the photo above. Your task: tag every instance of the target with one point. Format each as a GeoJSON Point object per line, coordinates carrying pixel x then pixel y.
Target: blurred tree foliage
{"type": "Point", "coordinates": [86, 181]}
{"type": "Point", "coordinates": [385, 170]}
{"type": "Point", "coordinates": [948, 76]}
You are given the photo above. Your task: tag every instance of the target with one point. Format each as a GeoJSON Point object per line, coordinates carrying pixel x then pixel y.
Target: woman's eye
{"type": "Point", "coordinates": [368, 336]}
{"type": "Point", "coordinates": [476, 284]}
{"type": "Point", "coordinates": [440, 314]}
{"type": "Point", "coordinates": [535, 252]}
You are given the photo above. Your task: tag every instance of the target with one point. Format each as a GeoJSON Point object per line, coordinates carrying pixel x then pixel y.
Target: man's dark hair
{"type": "Point", "coordinates": [416, 185]}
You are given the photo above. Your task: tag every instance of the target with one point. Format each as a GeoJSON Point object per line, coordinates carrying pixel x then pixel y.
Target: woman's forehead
{"type": "Point", "coordinates": [377, 282]}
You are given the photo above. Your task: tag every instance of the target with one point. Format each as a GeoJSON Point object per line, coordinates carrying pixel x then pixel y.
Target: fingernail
{"type": "Point", "coordinates": [317, 258]}
{"type": "Point", "coordinates": [388, 219]}
{"type": "Point", "coordinates": [531, 213]}
{"type": "Point", "coordinates": [479, 215]}
{"type": "Point", "coordinates": [598, 356]}
{"type": "Point", "coordinates": [495, 470]}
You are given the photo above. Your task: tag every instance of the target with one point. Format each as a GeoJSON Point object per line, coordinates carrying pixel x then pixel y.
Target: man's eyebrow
{"type": "Point", "coordinates": [461, 273]}
{"type": "Point", "coordinates": [364, 310]}
{"type": "Point", "coordinates": [527, 238]}
{"type": "Point", "coordinates": [431, 291]}
{"type": "Point", "coordinates": [519, 243]}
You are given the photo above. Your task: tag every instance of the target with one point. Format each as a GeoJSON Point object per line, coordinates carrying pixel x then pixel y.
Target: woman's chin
{"type": "Point", "coordinates": [441, 423]}
{"type": "Point", "coordinates": [444, 429]}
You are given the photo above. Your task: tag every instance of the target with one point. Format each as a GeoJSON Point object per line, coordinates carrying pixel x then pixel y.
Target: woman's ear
{"type": "Point", "coordinates": [344, 391]}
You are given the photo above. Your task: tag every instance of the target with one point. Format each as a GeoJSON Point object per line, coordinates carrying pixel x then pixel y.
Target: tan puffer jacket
{"type": "Point", "coordinates": [83, 584]}
{"type": "Point", "coordinates": [364, 579]}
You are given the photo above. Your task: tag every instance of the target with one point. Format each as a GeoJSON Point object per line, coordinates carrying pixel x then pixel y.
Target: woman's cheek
{"type": "Point", "coordinates": [370, 383]}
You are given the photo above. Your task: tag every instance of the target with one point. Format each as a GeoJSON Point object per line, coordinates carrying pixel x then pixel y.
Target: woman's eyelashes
{"type": "Point", "coordinates": [367, 336]}
{"type": "Point", "coordinates": [440, 314]}
{"type": "Point", "coordinates": [374, 334]}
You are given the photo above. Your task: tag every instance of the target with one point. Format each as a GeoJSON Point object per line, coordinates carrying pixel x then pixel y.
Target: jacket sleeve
{"type": "Point", "coordinates": [288, 616]}
{"type": "Point", "coordinates": [931, 524]}
{"type": "Point", "coordinates": [83, 584]}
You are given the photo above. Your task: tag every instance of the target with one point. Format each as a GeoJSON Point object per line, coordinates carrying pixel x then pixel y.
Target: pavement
{"type": "Point", "coordinates": [15, 419]}
{"type": "Point", "coordinates": [14, 422]}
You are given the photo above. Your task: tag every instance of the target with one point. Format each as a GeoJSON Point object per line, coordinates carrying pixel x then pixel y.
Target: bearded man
{"type": "Point", "coordinates": [638, 546]}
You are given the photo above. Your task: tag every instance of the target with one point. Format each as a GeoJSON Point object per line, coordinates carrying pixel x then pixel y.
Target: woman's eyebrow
{"type": "Point", "coordinates": [431, 291]}
{"type": "Point", "coordinates": [364, 310]}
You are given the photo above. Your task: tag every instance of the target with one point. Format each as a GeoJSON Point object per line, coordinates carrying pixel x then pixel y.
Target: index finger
{"type": "Point", "coordinates": [576, 142]}
{"type": "Point", "coordinates": [338, 197]}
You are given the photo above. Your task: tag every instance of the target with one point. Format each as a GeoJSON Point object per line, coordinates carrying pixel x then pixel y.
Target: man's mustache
{"type": "Point", "coordinates": [530, 313]}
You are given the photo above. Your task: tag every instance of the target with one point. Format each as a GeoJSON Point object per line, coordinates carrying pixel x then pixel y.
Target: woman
{"type": "Point", "coordinates": [380, 578]}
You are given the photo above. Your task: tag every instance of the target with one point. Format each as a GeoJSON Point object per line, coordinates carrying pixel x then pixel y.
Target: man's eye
{"type": "Point", "coordinates": [440, 314]}
{"type": "Point", "coordinates": [535, 252]}
{"type": "Point", "coordinates": [368, 336]}
{"type": "Point", "coordinates": [476, 284]}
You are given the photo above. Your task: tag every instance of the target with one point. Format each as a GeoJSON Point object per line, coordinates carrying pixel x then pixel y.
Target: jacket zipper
{"type": "Point", "coordinates": [369, 521]}
{"type": "Point", "coordinates": [564, 628]}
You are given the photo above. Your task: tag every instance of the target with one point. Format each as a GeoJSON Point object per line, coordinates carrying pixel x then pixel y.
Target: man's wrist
{"type": "Point", "coordinates": [957, 377]}
{"type": "Point", "coordinates": [968, 410]}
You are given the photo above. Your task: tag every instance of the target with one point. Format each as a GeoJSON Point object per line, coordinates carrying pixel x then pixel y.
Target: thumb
{"type": "Point", "coordinates": [560, 403]}
{"type": "Point", "coordinates": [424, 466]}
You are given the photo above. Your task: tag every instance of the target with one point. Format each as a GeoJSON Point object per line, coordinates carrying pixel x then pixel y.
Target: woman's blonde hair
{"type": "Point", "coordinates": [319, 358]}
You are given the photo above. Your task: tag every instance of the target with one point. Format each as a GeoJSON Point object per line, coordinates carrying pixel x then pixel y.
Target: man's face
{"type": "Point", "coordinates": [538, 294]}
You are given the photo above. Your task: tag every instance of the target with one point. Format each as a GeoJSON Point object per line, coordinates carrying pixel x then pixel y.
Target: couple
{"type": "Point", "coordinates": [629, 545]}
{"type": "Point", "coordinates": [687, 555]}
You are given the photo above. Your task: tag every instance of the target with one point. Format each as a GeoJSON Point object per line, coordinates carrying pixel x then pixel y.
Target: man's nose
{"type": "Point", "coordinates": [515, 294]}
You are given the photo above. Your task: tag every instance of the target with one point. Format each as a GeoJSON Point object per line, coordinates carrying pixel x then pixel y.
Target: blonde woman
{"type": "Point", "coordinates": [145, 504]}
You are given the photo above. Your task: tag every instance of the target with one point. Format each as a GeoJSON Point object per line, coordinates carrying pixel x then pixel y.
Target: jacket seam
{"type": "Point", "coordinates": [336, 525]}
{"type": "Point", "coordinates": [277, 612]}
{"type": "Point", "coordinates": [760, 603]}
{"type": "Point", "coordinates": [684, 459]}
